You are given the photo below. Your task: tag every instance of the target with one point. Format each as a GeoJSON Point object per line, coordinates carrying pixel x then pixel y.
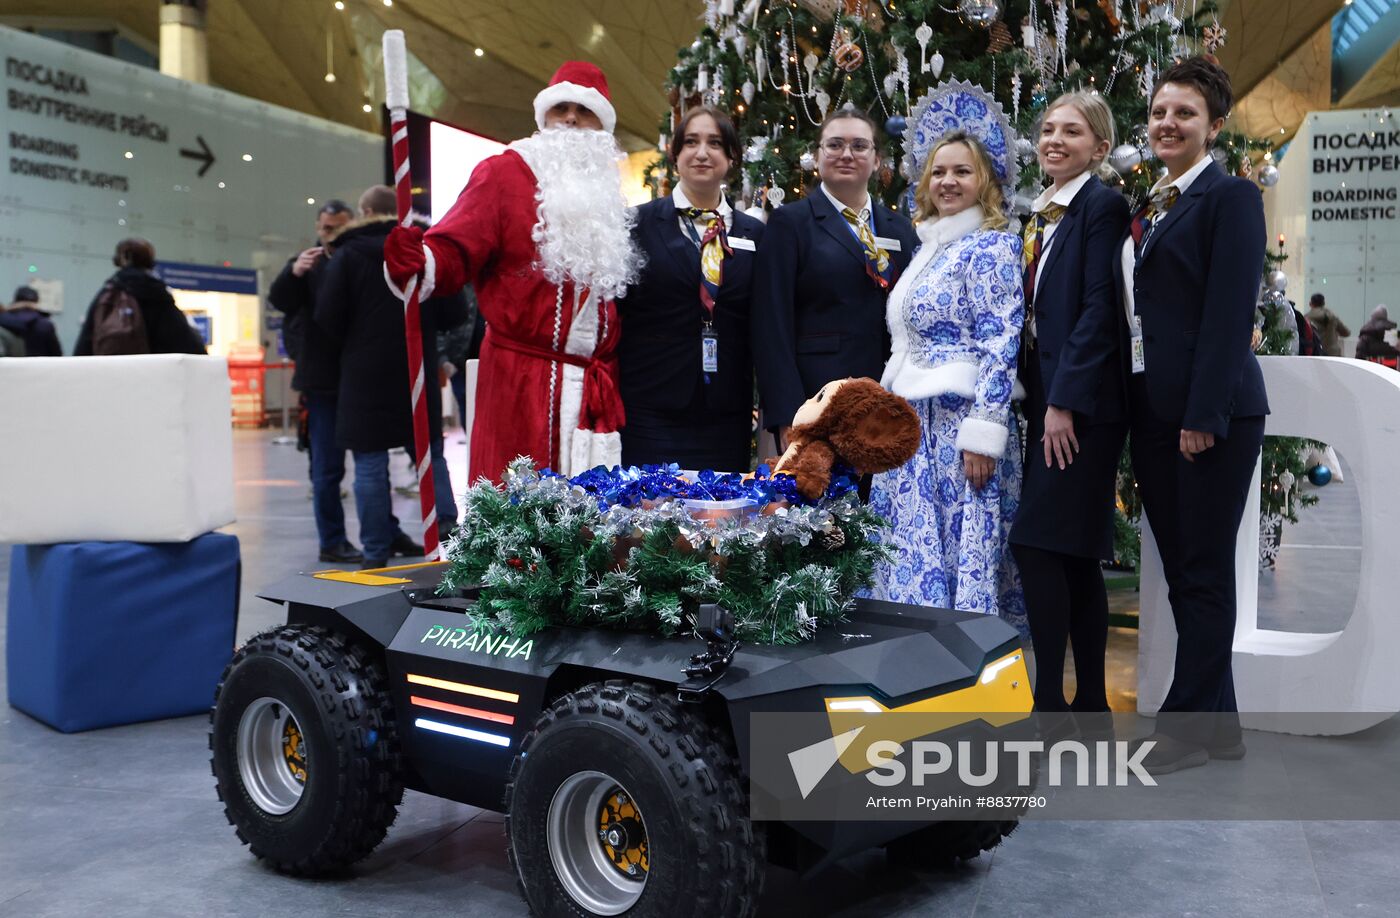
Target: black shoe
{"type": "Point", "coordinates": [445, 530]}
{"type": "Point", "coordinates": [1231, 753]}
{"type": "Point", "coordinates": [1056, 726]}
{"type": "Point", "coordinates": [1169, 754]}
{"type": "Point", "coordinates": [404, 547]}
{"type": "Point", "coordinates": [345, 553]}
{"type": "Point", "coordinates": [1095, 726]}
{"type": "Point", "coordinates": [372, 564]}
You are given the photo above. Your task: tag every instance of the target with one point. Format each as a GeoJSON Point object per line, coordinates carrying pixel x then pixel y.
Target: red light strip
{"type": "Point", "coordinates": [464, 711]}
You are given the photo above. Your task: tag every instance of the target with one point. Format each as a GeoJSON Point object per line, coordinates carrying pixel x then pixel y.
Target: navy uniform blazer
{"type": "Point", "coordinates": [1077, 310]}
{"type": "Point", "coordinates": [817, 316]}
{"type": "Point", "coordinates": [659, 352]}
{"type": "Point", "coordinates": [1195, 288]}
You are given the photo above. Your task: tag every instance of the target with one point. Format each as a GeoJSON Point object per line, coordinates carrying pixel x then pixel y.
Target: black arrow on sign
{"type": "Point", "coordinates": [203, 153]}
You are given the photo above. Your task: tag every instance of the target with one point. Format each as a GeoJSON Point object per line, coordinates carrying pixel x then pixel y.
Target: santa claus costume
{"type": "Point", "coordinates": [543, 233]}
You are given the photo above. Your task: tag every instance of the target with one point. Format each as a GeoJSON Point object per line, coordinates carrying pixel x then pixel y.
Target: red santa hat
{"type": "Point", "coordinates": [580, 82]}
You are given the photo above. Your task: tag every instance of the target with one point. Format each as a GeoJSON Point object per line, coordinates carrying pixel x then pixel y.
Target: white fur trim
{"type": "Point", "coordinates": [957, 377]}
{"type": "Point", "coordinates": [590, 449]}
{"type": "Point", "coordinates": [429, 274]}
{"type": "Point", "coordinates": [587, 96]}
{"type": "Point", "coordinates": [916, 383]}
{"type": "Point", "coordinates": [425, 289]}
{"type": "Point", "coordinates": [570, 407]}
{"type": "Point", "coordinates": [978, 435]}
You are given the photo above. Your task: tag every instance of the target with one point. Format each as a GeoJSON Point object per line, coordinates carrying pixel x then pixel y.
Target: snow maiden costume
{"type": "Point", "coordinates": [955, 321]}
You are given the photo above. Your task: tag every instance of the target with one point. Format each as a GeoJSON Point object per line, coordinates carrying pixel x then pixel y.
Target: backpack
{"type": "Point", "coordinates": [1309, 339]}
{"type": "Point", "coordinates": [11, 344]}
{"type": "Point", "coordinates": [118, 327]}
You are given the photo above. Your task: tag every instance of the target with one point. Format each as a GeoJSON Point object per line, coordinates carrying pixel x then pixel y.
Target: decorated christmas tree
{"type": "Point", "coordinates": [780, 66]}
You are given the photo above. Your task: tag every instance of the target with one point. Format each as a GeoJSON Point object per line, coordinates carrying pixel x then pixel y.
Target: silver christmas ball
{"type": "Point", "coordinates": [1268, 175]}
{"type": "Point", "coordinates": [1125, 157]}
{"type": "Point", "coordinates": [1277, 280]}
{"type": "Point", "coordinates": [1025, 149]}
{"type": "Point", "coordinates": [980, 13]}
{"type": "Point", "coordinates": [807, 161]}
{"type": "Point", "coordinates": [1219, 156]}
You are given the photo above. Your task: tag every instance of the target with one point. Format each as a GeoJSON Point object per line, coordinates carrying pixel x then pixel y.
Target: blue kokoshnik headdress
{"type": "Point", "coordinates": [956, 105]}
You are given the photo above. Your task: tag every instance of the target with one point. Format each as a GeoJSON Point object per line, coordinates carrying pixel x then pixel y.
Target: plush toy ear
{"type": "Point", "coordinates": [877, 431]}
{"type": "Point", "coordinates": [812, 468]}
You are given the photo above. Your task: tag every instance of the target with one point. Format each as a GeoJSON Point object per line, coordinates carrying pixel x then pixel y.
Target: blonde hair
{"type": "Point", "coordinates": [989, 195]}
{"type": "Point", "coordinates": [1096, 113]}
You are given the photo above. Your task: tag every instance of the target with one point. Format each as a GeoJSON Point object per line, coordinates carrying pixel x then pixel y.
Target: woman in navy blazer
{"type": "Point", "coordinates": [1190, 268]}
{"type": "Point", "coordinates": [686, 367]}
{"type": "Point", "coordinates": [1074, 405]}
{"type": "Point", "coordinates": [819, 298]}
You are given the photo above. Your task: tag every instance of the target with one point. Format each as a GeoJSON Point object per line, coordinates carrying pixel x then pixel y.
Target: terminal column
{"type": "Point", "coordinates": [184, 43]}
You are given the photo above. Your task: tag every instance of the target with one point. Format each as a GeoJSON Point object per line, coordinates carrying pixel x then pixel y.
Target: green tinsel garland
{"type": "Point", "coordinates": [545, 554]}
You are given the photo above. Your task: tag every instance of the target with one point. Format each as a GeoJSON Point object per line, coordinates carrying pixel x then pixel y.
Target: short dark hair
{"type": "Point", "coordinates": [842, 114]}
{"type": "Point", "coordinates": [729, 136]}
{"type": "Point", "coordinates": [379, 200]}
{"type": "Point", "coordinates": [1317, 300]}
{"type": "Point", "coordinates": [135, 253]}
{"type": "Point", "coordinates": [336, 206]}
{"type": "Point", "coordinates": [1207, 78]}
{"type": "Point", "coordinates": [26, 294]}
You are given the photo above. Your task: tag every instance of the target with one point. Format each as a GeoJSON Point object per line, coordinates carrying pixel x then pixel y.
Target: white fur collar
{"type": "Point", "coordinates": [940, 231]}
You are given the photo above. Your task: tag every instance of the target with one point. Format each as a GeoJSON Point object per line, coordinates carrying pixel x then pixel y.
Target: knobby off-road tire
{"type": "Point", "coordinates": [623, 763]}
{"type": "Point", "coordinates": [305, 750]}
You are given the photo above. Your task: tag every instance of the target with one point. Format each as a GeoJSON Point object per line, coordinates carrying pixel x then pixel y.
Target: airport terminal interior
{"type": "Point", "coordinates": [161, 509]}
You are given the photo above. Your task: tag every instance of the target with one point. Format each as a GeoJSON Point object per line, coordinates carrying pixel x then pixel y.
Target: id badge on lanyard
{"type": "Point", "coordinates": [709, 349]}
{"type": "Point", "coordinates": [1135, 330]}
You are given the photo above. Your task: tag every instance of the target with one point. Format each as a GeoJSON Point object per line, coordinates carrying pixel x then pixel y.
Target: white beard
{"type": "Point", "coordinates": [584, 233]}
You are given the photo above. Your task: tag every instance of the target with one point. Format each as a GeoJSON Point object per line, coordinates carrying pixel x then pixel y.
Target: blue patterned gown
{"type": "Point", "coordinates": [955, 322]}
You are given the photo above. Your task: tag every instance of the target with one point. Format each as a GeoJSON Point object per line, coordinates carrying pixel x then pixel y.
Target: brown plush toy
{"type": "Point", "coordinates": [852, 420]}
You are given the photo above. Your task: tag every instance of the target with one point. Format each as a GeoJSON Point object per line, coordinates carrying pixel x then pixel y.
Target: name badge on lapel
{"type": "Point", "coordinates": [745, 245]}
{"type": "Point", "coordinates": [889, 245]}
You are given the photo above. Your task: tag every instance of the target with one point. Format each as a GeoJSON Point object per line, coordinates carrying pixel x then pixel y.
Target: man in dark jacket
{"type": "Point", "coordinates": [25, 319]}
{"type": "Point", "coordinates": [1370, 340]}
{"type": "Point", "coordinates": [317, 377]}
{"type": "Point", "coordinates": [355, 307]}
{"type": "Point", "coordinates": [167, 329]}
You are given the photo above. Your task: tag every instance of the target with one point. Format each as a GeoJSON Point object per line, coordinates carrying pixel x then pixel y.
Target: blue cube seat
{"type": "Point", "coordinates": [106, 633]}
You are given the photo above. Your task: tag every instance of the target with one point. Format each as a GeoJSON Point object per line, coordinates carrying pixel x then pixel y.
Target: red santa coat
{"type": "Point", "coordinates": [547, 383]}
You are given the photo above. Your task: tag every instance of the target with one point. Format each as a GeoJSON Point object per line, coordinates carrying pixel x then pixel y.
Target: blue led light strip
{"type": "Point", "coordinates": [481, 736]}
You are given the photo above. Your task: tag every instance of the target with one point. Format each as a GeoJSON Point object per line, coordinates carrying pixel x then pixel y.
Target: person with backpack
{"type": "Point", "coordinates": [134, 312]}
{"type": "Point", "coordinates": [1309, 338]}
{"type": "Point", "coordinates": [1331, 328]}
{"type": "Point", "coordinates": [31, 325]}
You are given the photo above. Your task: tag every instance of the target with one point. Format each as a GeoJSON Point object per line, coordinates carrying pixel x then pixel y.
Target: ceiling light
{"type": "Point", "coordinates": [368, 108]}
{"type": "Point", "coordinates": [480, 53]}
{"type": "Point", "coordinates": [388, 2]}
{"type": "Point", "coordinates": [221, 185]}
{"type": "Point", "coordinates": [311, 200]}
{"type": "Point", "coordinates": [247, 157]}
{"type": "Point", "coordinates": [339, 5]}
{"type": "Point", "coordinates": [129, 155]}
{"type": "Point", "coordinates": [330, 78]}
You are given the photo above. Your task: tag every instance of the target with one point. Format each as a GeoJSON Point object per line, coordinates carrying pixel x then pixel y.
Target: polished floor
{"type": "Point", "coordinates": [124, 821]}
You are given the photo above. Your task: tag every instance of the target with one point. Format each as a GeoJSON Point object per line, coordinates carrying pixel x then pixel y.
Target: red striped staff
{"type": "Point", "coordinates": [396, 98]}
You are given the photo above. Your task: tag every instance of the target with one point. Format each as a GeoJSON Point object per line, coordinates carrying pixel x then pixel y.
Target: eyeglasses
{"type": "Point", "coordinates": [835, 146]}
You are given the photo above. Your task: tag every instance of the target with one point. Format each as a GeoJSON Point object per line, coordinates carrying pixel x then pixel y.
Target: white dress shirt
{"type": "Point", "coordinates": [1062, 196]}
{"type": "Point", "coordinates": [866, 215]}
{"type": "Point", "coordinates": [695, 230]}
{"type": "Point", "coordinates": [1129, 253]}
